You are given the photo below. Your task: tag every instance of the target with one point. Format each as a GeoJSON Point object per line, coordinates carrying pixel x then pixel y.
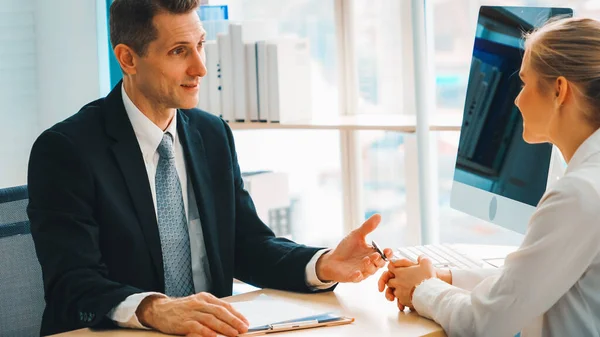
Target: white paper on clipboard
{"type": "Point", "coordinates": [265, 310]}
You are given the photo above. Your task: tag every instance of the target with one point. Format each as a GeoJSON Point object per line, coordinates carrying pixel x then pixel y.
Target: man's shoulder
{"type": "Point", "coordinates": [82, 123]}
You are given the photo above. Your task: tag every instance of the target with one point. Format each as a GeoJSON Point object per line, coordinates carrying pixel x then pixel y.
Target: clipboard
{"type": "Point", "coordinates": [324, 320]}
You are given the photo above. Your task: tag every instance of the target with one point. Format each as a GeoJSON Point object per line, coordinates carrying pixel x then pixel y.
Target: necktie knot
{"type": "Point", "coordinates": [165, 148]}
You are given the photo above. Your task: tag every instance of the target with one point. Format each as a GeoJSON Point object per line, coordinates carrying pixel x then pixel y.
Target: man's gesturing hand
{"type": "Point", "coordinates": [197, 315]}
{"type": "Point", "coordinates": [353, 260]}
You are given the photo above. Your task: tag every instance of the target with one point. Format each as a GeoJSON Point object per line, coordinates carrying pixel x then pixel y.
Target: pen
{"type": "Point", "coordinates": [293, 325]}
{"type": "Point", "coordinates": [378, 250]}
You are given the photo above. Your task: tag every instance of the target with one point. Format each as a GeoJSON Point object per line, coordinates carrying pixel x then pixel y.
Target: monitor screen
{"type": "Point", "coordinates": [498, 176]}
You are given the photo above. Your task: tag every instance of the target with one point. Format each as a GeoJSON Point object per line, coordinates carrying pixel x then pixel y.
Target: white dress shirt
{"type": "Point", "coordinates": [550, 286]}
{"type": "Point", "coordinates": [149, 137]}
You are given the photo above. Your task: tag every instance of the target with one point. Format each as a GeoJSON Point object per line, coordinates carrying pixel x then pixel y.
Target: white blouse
{"type": "Point", "coordinates": [550, 286]}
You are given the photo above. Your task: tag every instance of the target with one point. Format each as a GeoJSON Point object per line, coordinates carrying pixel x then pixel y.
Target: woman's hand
{"type": "Point", "coordinates": [404, 276]}
{"type": "Point", "coordinates": [383, 283]}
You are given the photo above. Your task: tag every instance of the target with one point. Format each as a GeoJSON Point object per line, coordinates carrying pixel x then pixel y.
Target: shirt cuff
{"type": "Point", "coordinates": [312, 280]}
{"type": "Point", "coordinates": [426, 294]}
{"type": "Point", "coordinates": [124, 313]}
{"type": "Point", "coordinates": [469, 278]}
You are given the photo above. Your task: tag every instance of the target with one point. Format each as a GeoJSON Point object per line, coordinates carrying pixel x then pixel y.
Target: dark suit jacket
{"type": "Point", "coordinates": [94, 225]}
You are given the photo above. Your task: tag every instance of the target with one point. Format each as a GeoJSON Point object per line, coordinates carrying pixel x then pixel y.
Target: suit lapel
{"type": "Point", "coordinates": [129, 158]}
{"type": "Point", "coordinates": [197, 167]}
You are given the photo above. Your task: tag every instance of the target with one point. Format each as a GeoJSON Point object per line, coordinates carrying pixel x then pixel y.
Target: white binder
{"type": "Point", "coordinates": [226, 66]}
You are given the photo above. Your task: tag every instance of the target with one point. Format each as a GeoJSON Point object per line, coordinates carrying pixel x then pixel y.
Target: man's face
{"type": "Point", "coordinates": [170, 72]}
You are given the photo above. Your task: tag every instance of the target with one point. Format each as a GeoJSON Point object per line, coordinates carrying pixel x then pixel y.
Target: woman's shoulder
{"type": "Point", "coordinates": [571, 205]}
{"type": "Point", "coordinates": [581, 186]}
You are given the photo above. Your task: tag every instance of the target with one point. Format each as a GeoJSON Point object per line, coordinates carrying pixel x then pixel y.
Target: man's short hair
{"type": "Point", "coordinates": [131, 20]}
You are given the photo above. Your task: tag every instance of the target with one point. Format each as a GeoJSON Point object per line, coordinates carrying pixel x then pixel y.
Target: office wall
{"type": "Point", "coordinates": [18, 88]}
{"type": "Point", "coordinates": [53, 60]}
{"type": "Point", "coordinates": [72, 60]}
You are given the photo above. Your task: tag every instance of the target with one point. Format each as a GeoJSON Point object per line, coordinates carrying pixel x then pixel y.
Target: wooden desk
{"type": "Point", "coordinates": [375, 316]}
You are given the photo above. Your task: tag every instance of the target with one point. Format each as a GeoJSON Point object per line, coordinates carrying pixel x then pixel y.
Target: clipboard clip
{"type": "Point", "coordinates": [292, 325]}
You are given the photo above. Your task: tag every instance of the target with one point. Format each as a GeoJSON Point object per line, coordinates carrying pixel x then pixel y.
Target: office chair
{"type": "Point", "coordinates": [21, 286]}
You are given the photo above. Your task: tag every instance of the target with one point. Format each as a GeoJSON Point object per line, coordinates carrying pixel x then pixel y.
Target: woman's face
{"type": "Point", "coordinates": [536, 105]}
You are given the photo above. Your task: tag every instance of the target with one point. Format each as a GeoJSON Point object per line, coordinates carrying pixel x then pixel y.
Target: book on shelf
{"type": "Point", "coordinates": [253, 75]}
{"type": "Point", "coordinates": [226, 85]}
{"type": "Point", "coordinates": [289, 77]}
{"type": "Point", "coordinates": [213, 77]}
{"type": "Point", "coordinates": [240, 34]}
{"type": "Point", "coordinates": [251, 81]}
{"type": "Point", "coordinates": [262, 81]}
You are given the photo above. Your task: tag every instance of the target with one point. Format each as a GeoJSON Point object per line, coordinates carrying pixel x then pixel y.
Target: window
{"type": "Point", "coordinates": [384, 169]}
{"type": "Point", "coordinates": [311, 160]}
{"type": "Point", "coordinates": [380, 56]}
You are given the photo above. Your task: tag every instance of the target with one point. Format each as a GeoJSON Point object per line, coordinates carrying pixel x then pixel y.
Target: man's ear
{"type": "Point", "coordinates": [127, 58]}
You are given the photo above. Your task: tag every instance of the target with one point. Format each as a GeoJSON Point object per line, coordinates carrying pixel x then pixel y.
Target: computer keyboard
{"type": "Point", "coordinates": [442, 256]}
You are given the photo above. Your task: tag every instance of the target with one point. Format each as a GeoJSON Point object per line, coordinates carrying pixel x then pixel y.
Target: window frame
{"type": "Point", "coordinates": [422, 194]}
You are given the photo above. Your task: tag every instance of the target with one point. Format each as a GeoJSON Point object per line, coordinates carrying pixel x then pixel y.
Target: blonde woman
{"type": "Point", "coordinates": [551, 285]}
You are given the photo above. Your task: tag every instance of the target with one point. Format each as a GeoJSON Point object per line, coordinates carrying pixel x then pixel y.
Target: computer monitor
{"type": "Point", "coordinates": [498, 177]}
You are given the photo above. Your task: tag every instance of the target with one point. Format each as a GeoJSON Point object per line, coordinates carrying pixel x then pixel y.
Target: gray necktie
{"type": "Point", "coordinates": [172, 224]}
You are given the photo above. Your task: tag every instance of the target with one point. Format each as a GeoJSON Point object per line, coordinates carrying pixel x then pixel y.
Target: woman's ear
{"type": "Point", "coordinates": [561, 87]}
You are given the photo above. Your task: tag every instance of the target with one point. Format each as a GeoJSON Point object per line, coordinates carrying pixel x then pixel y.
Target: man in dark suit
{"type": "Point", "coordinates": [137, 205]}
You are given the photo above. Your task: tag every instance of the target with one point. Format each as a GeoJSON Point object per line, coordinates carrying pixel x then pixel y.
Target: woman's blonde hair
{"type": "Point", "coordinates": [569, 47]}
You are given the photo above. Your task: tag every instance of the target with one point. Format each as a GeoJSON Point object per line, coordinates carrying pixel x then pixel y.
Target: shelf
{"type": "Point", "coordinates": [400, 123]}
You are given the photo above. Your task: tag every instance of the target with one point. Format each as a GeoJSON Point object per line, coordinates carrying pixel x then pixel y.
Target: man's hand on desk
{"type": "Point", "coordinates": [403, 276]}
{"type": "Point", "coordinates": [197, 315]}
{"type": "Point", "coordinates": [353, 260]}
